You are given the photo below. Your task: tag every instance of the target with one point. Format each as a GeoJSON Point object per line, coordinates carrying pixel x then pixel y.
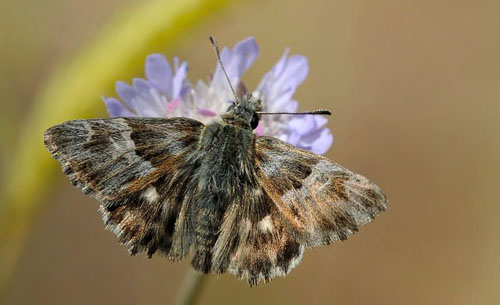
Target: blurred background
{"type": "Point", "coordinates": [414, 87]}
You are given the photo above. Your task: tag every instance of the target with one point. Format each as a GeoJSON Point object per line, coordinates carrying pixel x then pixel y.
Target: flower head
{"type": "Point", "coordinates": [167, 93]}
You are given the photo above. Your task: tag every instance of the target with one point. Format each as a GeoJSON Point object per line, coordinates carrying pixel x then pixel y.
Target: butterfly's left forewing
{"type": "Point", "coordinates": [138, 169]}
{"type": "Point", "coordinates": [321, 201]}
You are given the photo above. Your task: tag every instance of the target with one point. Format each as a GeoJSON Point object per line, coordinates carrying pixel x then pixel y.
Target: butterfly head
{"type": "Point", "coordinates": [244, 112]}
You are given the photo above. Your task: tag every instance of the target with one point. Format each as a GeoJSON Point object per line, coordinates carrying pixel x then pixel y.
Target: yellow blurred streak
{"type": "Point", "coordinates": [74, 91]}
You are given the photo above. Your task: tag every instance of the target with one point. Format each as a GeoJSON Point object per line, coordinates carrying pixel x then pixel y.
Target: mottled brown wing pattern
{"type": "Point", "coordinates": [320, 201]}
{"type": "Point", "coordinates": [138, 169]}
{"type": "Point", "coordinates": [254, 242]}
{"type": "Point", "coordinates": [291, 200]}
{"type": "Point", "coordinates": [248, 206]}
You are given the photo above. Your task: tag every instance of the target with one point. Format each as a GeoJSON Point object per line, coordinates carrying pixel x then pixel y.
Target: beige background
{"type": "Point", "coordinates": [414, 87]}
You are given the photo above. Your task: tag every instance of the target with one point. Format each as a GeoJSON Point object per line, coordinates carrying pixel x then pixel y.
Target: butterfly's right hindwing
{"type": "Point", "coordinates": [138, 169]}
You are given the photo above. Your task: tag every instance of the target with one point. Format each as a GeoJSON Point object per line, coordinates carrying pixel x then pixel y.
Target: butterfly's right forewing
{"type": "Point", "coordinates": [138, 169]}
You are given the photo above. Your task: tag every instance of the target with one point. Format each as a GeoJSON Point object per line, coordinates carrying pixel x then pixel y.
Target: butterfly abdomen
{"type": "Point", "coordinates": [228, 152]}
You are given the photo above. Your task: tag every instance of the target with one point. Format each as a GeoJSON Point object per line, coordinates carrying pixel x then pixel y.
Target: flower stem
{"type": "Point", "coordinates": [191, 288]}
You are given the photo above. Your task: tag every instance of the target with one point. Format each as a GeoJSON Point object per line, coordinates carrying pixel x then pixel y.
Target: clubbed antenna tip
{"type": "Point", "coordinates": [213, 41]}
{"type": "Point", "coordinates": [319, 111]}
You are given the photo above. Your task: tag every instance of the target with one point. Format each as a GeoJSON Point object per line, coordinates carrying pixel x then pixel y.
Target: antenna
{"type": "Point", "coordinates": [319, 111]}
{"type": "Point", "coordinates": [216, 48]}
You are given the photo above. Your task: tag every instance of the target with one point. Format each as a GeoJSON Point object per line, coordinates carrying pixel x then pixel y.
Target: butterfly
{"type": "Point", "coordinates": [242, 204]}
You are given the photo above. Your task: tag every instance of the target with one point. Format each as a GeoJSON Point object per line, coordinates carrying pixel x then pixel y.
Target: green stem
{"type": "Point", "coordinates": [192, 288]}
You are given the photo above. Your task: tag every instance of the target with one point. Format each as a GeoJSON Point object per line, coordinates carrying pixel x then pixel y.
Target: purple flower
{"type": "Point", "coordinates": [167, 93]}
{"type": "Point", "coordinates": [158, 96]}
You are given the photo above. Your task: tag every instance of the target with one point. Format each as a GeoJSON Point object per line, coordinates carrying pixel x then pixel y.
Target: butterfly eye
{"type": "Point", "coordinates": [255, 121]}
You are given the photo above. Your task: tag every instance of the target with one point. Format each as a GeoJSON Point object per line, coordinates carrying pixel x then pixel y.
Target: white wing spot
{"type": "Point", "coordinates": [266, 224]}
{"type": "Point", "coordinates": [150, 194]}
{"type": "Point", "coordinates": [90, 132]}
{"type": "Point", "coordinates": [129, 143]}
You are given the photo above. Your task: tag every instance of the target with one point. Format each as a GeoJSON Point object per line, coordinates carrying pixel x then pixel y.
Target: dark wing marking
{"type": "Point", "coordinates": [319, 200]}
{"type": "Point", "coordinates": [137, 168]}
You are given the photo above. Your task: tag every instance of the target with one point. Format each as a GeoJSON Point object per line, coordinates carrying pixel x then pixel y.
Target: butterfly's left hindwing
{"type": "Point", "coordinates": [138, 169]}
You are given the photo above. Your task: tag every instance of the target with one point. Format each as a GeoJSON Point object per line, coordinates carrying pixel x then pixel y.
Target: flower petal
{"type": "Point", "coordinates": [303, 125]}
{"type": "Point", "coordinates": [294, 73]}
{"type": "Point", "coordinates": [293, 138]}
{"type": "Point", "coordinates": [126, 93]}
{"type": "Point", "coordinates": [116, 109]}
{"type": "Point", "coordinates": [259, 131]}
{"type": "Point", "coordinates": [173, 104]}
{"type": "Point", "coordinates": [318, 142]}
{"type": "Point", "coordinates": [206, 112]}
{"type": "Point", "coordinates": [278, 85]}
{"type": "Point", "coordinates": [180, 86]}
{"type": "Point", "coordinates": [159, 73]}
{"type": "Point", "coordinates": [151, 104]}
{"type": "Point", "coordinates": [306, 125]}
{"type": "Point", "coordinates": [236, 62]}
{"type": "Point", "coordinates": [291, 106]}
